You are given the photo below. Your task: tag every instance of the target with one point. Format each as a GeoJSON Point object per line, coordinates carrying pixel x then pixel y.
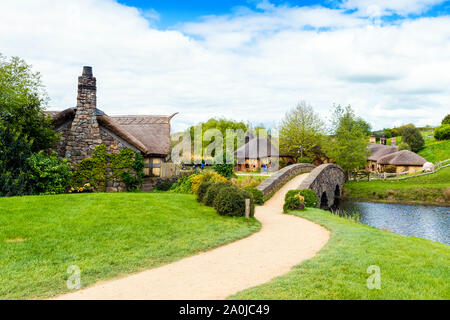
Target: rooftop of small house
{"type": "Point", "coordinates": [257, 148]}
{"type": "Point", "coordinates": [379, 150]}
{"type": "Point", "coordinates": [402, 158]}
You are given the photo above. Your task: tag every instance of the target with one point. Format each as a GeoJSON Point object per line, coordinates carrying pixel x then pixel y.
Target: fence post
{"type": "Point", "coordinates": [247, 208]}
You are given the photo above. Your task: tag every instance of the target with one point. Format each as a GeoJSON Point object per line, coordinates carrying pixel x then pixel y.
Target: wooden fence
{"type": "Point", "coordinates": [169, 170]}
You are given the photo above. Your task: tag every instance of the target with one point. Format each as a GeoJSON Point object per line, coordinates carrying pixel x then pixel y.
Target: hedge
{"type": "Point", "coordinates": [230, 201]}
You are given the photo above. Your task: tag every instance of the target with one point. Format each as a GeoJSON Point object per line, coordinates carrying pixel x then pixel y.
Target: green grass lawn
{"type": "Point", "coordinates": [105, 235]}
{"type": "Point", "coordinates": [411, 268]}
{"type": "Point", "coordinates": [432, 188]}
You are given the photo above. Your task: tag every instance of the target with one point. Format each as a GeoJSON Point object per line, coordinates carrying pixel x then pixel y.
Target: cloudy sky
{"type": "Point", "coordinates": [248, 60]}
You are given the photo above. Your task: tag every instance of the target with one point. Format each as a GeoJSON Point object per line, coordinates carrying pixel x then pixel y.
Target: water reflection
{"type": "Point", "coordinates": [427, 222]}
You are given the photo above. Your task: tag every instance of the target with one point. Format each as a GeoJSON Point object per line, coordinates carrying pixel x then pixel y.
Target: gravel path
{"type": "Point", "coordinates": [284, 241]}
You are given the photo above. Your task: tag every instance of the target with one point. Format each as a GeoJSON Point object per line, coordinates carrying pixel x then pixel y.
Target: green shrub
{"type": "Point", "coordinates": [212, 192]}
{"type": "Point", "coordinates": [305, 160]}
{"type": "Point", "coordinates": [413, 137]}
{"type": "Point", "coordinates": [183, 184]}
{"type": "Point", "coordinates": [48, 174]}
{"type": "Point", "coordinates": [164, 185]}
{"type": "Point", "coordinates": [230, 201]}
{"type": "Point", "coordinates": [390, 170]}
{"type": "Point", "coordinates": [311, 200]}
{"type": "Point", "coordinates": [225, 170]}
{"type": "Point", "coordinates": [293, 203]}
{"type": "Point", "coordinates": [201, 192]}
{"type": "Point", "coordinates": [446, 120]}
{"type": "Point", "coordinates": [403, 146]}
{"type": "Point", "coordinates": [258, 196]}
{"type": "Point", "coordinates": [442, 132]}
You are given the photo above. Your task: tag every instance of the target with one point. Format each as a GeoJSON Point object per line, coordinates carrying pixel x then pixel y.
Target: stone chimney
{"type": "Point", "coordinates": [85, 132]}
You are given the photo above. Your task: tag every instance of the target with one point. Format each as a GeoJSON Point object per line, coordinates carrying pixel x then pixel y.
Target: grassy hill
{"type": "Point", "coordinates": [435, 150]}
{"type": "Point", "coordinates": [105, 235]}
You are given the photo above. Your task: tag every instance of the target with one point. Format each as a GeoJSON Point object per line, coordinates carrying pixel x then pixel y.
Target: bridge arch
{"type": "Point", "coordinates": [327, 181]}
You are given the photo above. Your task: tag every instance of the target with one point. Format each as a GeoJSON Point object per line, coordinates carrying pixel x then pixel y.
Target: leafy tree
{"type": "Point", "coordinates": [442, 132]}
{"type": "Point", "coordinates": [348, 146]}
{"type": "Point", "coordinates": [446, 120]}
{"type": "Point", "coordinates": [300, 131]}
{"type": "Point", "coordinates": [221, 125]}
{"type": "Point", "coordinates": [24, 128]}
{"type": "Point", "coordinates": [364, 126]}
{"type": "Point", "coordinates": [413, 137]}
{"type": "Point", "coordinates": [403, 146]}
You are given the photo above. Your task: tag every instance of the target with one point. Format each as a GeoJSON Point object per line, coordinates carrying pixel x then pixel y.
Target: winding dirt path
{"type": "Point", "coordinates": [284, 241]}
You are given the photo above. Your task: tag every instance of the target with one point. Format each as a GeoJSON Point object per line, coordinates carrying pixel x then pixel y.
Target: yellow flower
{"type": "Point", "coordinates": [299, 196]}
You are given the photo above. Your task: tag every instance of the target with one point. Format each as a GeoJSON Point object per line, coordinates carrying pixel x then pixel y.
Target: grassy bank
{"type": "Point", "coordinates": [411, 268]}
{"type": "Point", "coordinates": [105, 235]}
{"type": "Point", "coordinates": [432, 189]}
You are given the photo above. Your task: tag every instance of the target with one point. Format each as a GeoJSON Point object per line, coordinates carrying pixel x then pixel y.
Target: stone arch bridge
{"type": "Point", "coordinates": [326, 180]}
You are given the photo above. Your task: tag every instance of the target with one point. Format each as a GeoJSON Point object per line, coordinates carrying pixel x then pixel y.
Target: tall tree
{"type": "Point", "coordinates": [24, 128]}
{"type": "Point", "coordinates": [300, 131]}
{"type": "Point", "coordinates": [413, 137]}
{"type": "Point", "coordinates": [348, 145]}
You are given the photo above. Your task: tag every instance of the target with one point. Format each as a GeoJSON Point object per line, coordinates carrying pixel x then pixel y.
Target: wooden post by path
{"type": "Point", "coordinates": [247, 208]}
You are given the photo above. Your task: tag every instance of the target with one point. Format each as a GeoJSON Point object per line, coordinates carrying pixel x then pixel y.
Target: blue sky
{"type": "Point", "coordinates": [173, 12]}
{"type": "Point", "coordinates": [177, 11]}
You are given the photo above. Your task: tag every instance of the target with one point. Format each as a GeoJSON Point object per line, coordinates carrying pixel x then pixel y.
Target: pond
{"type": "Point", "coordinates": [428, 222]}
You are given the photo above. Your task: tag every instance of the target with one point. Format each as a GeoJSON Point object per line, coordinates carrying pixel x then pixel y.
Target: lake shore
{"type": "Point", "coordinates": [395, 201]}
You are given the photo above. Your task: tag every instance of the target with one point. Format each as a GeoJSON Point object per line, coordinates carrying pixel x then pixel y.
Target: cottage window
{"type": "Point", "coordinates": [153, 167]}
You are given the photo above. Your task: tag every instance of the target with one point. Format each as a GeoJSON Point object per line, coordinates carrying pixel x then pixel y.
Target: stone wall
{"type": "Point", "coordinates": [64, 131]}
{"type": "Point", "coordinates": [282, 176]}
{"type": "Point", "coordinates": [112, 143]}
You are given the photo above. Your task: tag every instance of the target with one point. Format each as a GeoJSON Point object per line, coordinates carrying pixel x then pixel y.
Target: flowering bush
{"type": "Point", "coordinates": [87, 188]}
{"type": "Point", "coordinates": [191, 184]}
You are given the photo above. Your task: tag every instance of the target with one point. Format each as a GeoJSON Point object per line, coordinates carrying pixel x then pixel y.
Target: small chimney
{"type": "Point", "coordinates": [394, 141]}
{"type": "Point", "coordinates": [87, 92]}
{"type": "Point", "coordinates": [87, 72]}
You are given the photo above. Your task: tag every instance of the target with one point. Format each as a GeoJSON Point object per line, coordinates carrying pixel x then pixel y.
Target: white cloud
{"type": "Point", "coordinates": [387, 7]}
{"type": "Point", "coordinates": [248, 66]}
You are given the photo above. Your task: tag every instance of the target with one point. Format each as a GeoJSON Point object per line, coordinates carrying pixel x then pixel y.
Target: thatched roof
{"type": "Point", "coordinates": [379, 150]}
{"type": "Point", "coordinates": [152, 131]}
{"type": "Point", "coordinates": [257, 148]}
{"type": "Point", "coordinates": [149, 134]}
{"type": "Point", "coordinates": [402, 158]}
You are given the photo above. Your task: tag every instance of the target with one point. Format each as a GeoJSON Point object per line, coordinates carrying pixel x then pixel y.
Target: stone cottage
{"type": "Point", "coordinates": [85, 127]}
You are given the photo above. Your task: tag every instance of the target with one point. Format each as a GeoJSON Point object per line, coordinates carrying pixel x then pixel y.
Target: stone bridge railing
{"type": "Point", "coordinates": [281, 177]}
{"type": "Point", "coordinates": [326, 181]}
